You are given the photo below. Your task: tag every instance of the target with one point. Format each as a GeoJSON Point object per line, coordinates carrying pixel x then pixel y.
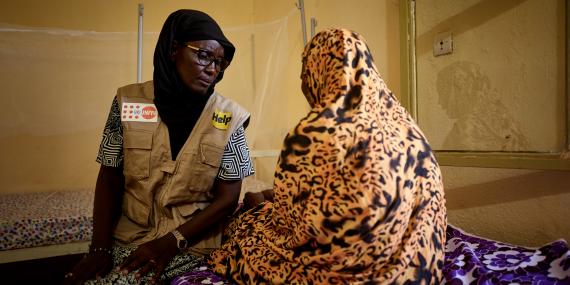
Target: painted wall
{"type": "Point", "coordinates": [62, 61]}
{"type": "Point", "coordinates": [278, 47]}
{"type": "Point", "coordinates": [522, 207]}
{"type": "Point", "coordinates": [502, 88]}
{"type": "Point", "coordinates": [60, 65]}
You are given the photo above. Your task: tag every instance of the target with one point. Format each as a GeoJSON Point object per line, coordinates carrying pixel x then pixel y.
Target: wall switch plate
{"type": "Point", "coordinates": [443, 44]}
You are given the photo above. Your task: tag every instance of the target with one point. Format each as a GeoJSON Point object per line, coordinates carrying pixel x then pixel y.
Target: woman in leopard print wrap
{"type": "Point", "coordinates": [358, 194]}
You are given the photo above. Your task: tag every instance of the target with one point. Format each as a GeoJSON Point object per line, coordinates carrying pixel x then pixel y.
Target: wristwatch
{"type": "Point", "coordinates": [181, 242]}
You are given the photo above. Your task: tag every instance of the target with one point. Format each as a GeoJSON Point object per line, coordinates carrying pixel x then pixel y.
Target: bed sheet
{"type": "Point", "coordinates": [45, 218]}
{"type": "Point", "coordinates": [470, 259]}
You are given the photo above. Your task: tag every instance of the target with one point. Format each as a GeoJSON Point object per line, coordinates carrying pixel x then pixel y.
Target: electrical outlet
{"type": "Point", "coordinates": [443, 44]}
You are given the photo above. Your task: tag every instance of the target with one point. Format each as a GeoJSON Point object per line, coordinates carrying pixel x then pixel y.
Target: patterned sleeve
{"type": "Point", "coordinates": [111, 148]}
{"type": "Point", "coordinates": [236, 163]}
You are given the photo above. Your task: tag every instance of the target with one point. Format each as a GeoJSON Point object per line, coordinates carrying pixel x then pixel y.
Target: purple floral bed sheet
{"type": "Point", "coordinates": [474, 260]}
{"type": "Point", "coordinates": [471, 260]}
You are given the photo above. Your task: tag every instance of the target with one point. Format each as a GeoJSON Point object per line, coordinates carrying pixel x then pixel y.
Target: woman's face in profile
{"type": "Point", "coordinates": [196, 76]}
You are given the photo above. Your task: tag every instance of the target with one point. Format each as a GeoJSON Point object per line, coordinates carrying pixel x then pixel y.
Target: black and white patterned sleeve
{"type": "Point", "coordinates": [236, 162]}
{"type": "Point", "coordinates": [111, 148]}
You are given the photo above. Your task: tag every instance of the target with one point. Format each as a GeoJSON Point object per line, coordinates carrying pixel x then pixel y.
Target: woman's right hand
{"type": "Point", "coordinates": [93, 265]}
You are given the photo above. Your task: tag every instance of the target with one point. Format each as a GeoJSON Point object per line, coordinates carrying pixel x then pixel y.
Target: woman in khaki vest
{"type": "Point", "coordinates": [172, 159]}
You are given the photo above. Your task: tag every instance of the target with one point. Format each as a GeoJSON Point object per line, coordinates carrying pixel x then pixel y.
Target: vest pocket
{"type": "Point", "coordinates": [211, 155]}
{"type": "Point", "coordinates": [137, 146]}
{"type": "Point", "coordinates": [188, 210]}
{"type": "Point", "coordinates": [205, 171]}
{"type": "Point", "coordinates": [194, 177]}
{"type": "Point", "coordinates": [135, 210]}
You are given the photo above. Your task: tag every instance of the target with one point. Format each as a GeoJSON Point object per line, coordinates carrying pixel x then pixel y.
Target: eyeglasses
{"type": "Point", "coordinates": [206, 58]}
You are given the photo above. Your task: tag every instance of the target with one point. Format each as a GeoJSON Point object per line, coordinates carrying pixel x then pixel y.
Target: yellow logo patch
{"type": "Point", "coordinates": [221, 120]}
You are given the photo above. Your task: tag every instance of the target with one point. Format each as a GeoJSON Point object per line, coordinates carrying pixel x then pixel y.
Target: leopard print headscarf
{"type": "Point", "coordinates": [358, 192]}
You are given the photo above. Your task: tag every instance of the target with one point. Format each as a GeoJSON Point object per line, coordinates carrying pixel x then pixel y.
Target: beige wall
{"type": "Point", "coordinates": [61, 62]}
{"type": "Point", "coordinates": [523, 207]}
{"type": "Point", "coordinates": [279, 44]}
{"type": "Point", "coordinates": [502, 88]}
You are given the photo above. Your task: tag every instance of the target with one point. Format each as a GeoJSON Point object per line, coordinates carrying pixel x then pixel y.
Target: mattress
{"type": "Point", "coordinates": [45, 218]}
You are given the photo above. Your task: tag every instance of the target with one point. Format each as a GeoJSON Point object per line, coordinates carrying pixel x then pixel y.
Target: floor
{"type": "Point", "coordinates": [39, 271]}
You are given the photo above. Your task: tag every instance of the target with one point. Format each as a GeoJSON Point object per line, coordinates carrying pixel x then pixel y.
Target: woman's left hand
{"type": "Point", "coordinates": [153, 255]}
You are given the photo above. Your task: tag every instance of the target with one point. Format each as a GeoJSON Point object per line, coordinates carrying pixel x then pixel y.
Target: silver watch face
{"type": "Point", "coordinates": [182, 244]}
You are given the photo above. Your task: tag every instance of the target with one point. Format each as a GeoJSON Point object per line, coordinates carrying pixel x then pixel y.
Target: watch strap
{"type": "Point", "coordinates": [181, 241]}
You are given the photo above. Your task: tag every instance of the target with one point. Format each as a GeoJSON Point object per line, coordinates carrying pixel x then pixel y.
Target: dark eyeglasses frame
{"type": "Point", "coordinates": [205, 58]}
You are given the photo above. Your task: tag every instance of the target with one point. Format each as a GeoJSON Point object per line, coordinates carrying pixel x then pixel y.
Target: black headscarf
{"type": "Point", "coordinates": [177, 106]}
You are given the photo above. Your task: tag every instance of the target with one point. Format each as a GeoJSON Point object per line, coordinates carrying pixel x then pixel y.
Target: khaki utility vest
{"type": "Point", "coordinates": [162, 193]}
